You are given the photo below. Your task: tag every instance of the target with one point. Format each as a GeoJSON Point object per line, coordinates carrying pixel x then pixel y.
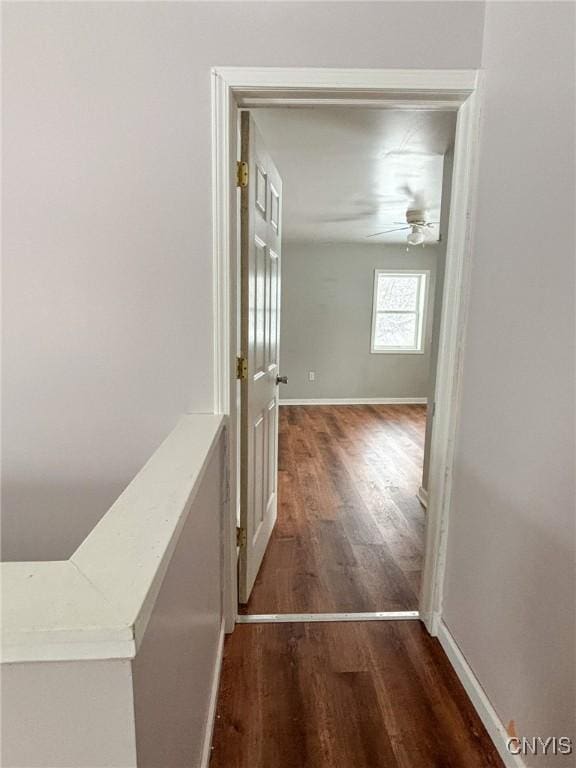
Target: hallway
{"type": "Point", "coordinates": [344, 695]}
{"type": "Point", "coordinates": [350, 530]}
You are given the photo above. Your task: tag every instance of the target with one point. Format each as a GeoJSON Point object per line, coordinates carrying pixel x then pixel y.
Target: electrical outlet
{"type": "Point", "coordinates": [311, 375]}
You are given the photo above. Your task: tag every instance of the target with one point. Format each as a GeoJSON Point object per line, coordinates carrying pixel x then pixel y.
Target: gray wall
{"type": "Point", "coordinates": [107, 222]}
{"type": "Point", "coordinates": [327, 317]}
{"type": "Point", "coordinates": [510, 585]}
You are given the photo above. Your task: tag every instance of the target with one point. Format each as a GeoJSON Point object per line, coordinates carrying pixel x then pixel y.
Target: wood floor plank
{"type": "Point", "coordinates": [350, 530]}
{"type": "Point", "coordinates": [344, 695]}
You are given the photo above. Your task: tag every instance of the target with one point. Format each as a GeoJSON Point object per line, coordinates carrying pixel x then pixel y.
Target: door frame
{"type": "Point", "coordinates": [251, 87]}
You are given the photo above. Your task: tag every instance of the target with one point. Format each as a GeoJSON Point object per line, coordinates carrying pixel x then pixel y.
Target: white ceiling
{"type": "Point", "coordinates": [348, 172]}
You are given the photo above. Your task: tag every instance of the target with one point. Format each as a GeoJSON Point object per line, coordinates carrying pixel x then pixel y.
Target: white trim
{"type": "Point", "coordinates": [353, 401]}
{"type": "Point", "coordinates": [423, 103]}
{"type": "Point", "coordinates": [449, 364]}
{"type": "Point", "coordinates": [213, 701]}
{"type": "Point", "coordinates": [423, 497]}
{"type": "Point", "coordinates": [478, 697]}
{"type": "Point", "coordinates": [268, 81]}
{"type": "Point", "coordinates": [412, 89]}
{"type": "Point", "coordinates": [287, 618]}
{"type": "Point", "coordinates": [221, 244]}
{"type": "Point", "coordinates": [224, 116]}
{"type": "Point", "coordinates": [96, 604]}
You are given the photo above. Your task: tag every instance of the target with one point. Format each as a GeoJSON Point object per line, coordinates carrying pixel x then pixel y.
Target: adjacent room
{"type": "Point", "coordinates": [365, 196]}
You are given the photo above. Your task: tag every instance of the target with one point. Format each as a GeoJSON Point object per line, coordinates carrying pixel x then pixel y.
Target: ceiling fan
{"type": "Point", "coordinates": [416, 221]}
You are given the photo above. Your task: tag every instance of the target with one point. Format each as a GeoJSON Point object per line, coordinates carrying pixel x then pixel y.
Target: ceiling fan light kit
{"type": "Point", "coordinates": [417, 222]}
{"type": "Point", "coordinates": [416, 237]}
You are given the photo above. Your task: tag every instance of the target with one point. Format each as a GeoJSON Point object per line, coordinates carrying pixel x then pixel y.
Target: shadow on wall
{"type": "Point", "coordinates": [37, 530]}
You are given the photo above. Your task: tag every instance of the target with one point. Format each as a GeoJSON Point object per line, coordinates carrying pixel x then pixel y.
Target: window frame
{"type": "Point", "coordinates": [421, 312]}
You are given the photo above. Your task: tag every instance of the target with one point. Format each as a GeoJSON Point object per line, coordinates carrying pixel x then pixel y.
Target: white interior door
{"type": "Point", "coordinates": [261, 210]}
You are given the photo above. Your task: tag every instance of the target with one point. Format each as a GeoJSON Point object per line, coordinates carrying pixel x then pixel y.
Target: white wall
{"type": "Point", "coordinates": [107, 232]}
{"type": "Point", "coordinates": [510, 590]}
{"type": "Point", "coordinates": [326, 322]}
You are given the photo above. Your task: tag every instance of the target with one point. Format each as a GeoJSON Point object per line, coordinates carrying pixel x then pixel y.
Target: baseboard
{"type": "Point", "coordinates": [355, 401]}
{"type": "Point", "coordinates": [478, 697]}
{"type": "Point", "coordinates": [213, 702]}
{"type": "Point", "coordinates": [423, 497]}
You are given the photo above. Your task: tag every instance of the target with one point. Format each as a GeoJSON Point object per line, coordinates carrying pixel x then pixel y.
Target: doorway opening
{"type": "Point", "coordinates": [365, 440]}
{"type": "Point", "coordinates": [346, 348]}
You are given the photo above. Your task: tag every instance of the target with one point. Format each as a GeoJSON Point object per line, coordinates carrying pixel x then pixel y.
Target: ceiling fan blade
{"type": "Point", "coordinates": [424, 224]}
{"type": "Point", "coordinates": [387, 231]}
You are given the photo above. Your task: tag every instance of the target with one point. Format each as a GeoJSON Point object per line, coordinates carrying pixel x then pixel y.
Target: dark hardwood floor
{"type": "Point", "coordinates": [349, 537]}
{"type": "Point", "coordinates": [350, 530]}
{"type": "Point", "coordinates": [344, 695]}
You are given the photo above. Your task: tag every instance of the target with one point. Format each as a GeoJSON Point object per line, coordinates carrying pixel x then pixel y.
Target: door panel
{"type": "Point", "coordinates": [259, 308]}
{"type": "Point", "coordinates": [257, 469]}
{"type": "Point", "coordinates": [261, 211]}
{"type": "Point", "coordinates": [273, 306]}
{"type": "Point", "coordinates": [272, 449]}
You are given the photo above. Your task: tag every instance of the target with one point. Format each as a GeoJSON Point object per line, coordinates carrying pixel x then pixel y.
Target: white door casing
{"type": "Point", "coordinates": [261, 206]}
{"type": "Point", "coordinates": [235, 88]}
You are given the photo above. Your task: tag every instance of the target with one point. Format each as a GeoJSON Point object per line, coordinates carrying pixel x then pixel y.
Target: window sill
{"type": "Point", "coordinates": [397, 351]}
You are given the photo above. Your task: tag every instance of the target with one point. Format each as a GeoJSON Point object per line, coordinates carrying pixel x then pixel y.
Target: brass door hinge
{"type": "Point", "coordinates": [241, 174]}
{"type": "Point", "coordinates": [241, 538]}
{"type": "Point", "coordinates": [241, 368]}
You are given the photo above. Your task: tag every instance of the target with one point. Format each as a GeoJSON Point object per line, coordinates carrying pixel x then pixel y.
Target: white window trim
{"type": "Point", "coordinates": [421, 312]}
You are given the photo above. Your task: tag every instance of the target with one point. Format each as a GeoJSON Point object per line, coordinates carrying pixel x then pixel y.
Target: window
{"type": "Point", "coordinates": [399, 309]}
